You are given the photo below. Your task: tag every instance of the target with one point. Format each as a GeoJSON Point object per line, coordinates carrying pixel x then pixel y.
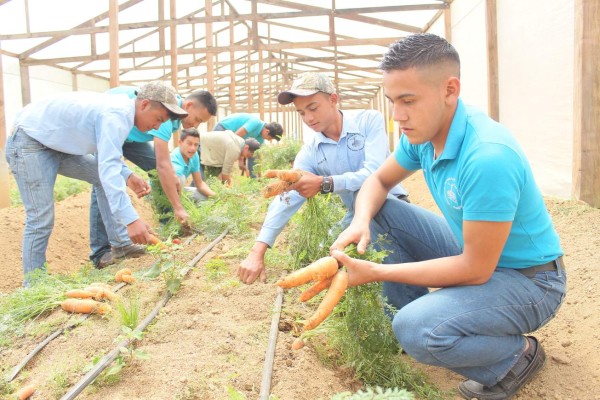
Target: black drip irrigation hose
{"type": "Point", "coordinates": [265, 386]}
{"type": "Point", "coordinates": [114, 353]}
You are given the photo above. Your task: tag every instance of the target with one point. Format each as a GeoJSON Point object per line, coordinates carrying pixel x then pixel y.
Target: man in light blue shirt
{"type": "Point", "coordinates": [150, 150]}
{"type": "Point", "coordinates": [345, 151]}
{"type": "Point", "coordinates": [499, 270]}
{"type": "Point", "coordinates": [249, 126]}
{"type": "Point", "coordinates": [59, 135]}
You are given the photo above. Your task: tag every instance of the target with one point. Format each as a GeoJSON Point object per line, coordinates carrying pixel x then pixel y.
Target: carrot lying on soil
{"type": "Point", "coordinates": [101, 284]}
{"type": "Point", "coordinates": [319, 270]}
{"type": "Point", "coordinates": [120, 273]}
{"type": "Point", "coordinates": [298, 344]}
{"type": "Point", "coordinates": [101, 293]}
{"type": "Point", "coordinates": [85, 306]}
{"type": "Point", "coordinates": [332, 297]}
{"type": "Point", "coordinates": [128, 278]}
{"type": "Point", "coordinates": [315, 289]}
{"type": "Point", "coordinates": [275, 188]}
{"type": "Point", "coordinates": [25, 392]}
{"type": "Point", "coordinates": [79, 294]}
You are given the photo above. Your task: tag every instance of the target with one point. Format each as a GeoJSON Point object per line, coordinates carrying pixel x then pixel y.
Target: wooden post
{"type": "Point", "coordinates": [232, 93]}
{"type": "Point", "coordinates": [4, 190]}
{"type": "Point", "coordinates": [174, 65]}
{"type": "Point", "coordinates": [448, 23]}
{"type": "Point", "coordinates": [492, 52]}
{"type": "Point", "coordinates": [586, 103]}
{"type": "Point", "coordinates": [113, 33]}
{"type": "Point", "coordinates": [25, 84]}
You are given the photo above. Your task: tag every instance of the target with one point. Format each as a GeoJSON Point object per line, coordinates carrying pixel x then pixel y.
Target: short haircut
{"type": "Point", "coordinates": [253, 144]}
{"type": "Point", "coordinates": [193, 132]}
{"type": "Point", "coordinates": [418, 51]}
{"type": "Point", "coordinates": [206, 99]}
{"type": "Point", "coordinates": [275, 130]}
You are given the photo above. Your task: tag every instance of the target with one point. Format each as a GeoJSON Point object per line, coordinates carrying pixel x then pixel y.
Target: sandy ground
{"type": "Point", "coordinates": [211, 338]}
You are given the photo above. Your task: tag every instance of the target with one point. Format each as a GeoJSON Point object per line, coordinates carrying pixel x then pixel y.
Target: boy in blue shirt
{"type": "Point", "coordinates": [500, 272]}
{"type": "Point", "coordinates": [186, 162]}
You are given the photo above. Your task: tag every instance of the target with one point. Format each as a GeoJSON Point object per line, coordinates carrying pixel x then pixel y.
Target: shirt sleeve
{"type": "Point", "coordinates": [376, 149]}
{"type": "Point", "coordinates": [164, 131]}
{"type": "Point", "coordinates": [110, 165]}
{"type": "Point", "coordinates": [282, 209]}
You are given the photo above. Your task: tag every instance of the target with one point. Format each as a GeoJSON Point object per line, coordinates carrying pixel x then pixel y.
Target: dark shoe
{"type": "Point", "coordinates": [131, 251]}
{"type": "Point", "coordinates": [106, 260]}
{"type": "Point", "coordinates": [526, 367]}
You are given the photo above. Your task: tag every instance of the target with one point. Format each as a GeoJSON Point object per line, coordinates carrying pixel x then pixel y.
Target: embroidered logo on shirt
{"type": "Point", "coordinates": [356, 141]}
{"type": "Point", "coordinates": [453, 198]}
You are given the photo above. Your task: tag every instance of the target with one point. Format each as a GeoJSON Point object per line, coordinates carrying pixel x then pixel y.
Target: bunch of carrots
{"type": "Point", "coordinates": [326, 274]}
{"type": "Point", "coordinates": [89, 300]}
{"type": "Point", "coordinates": [285, 179]}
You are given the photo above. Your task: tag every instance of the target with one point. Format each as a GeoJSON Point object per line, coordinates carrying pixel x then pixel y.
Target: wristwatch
{"type": "Point", "coordinates": [327, 185]}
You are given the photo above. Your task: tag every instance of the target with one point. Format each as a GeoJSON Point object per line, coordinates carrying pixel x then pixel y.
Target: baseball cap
{"type": "Point", "coordinates": [307, 84]}
{"type": "Point", "coordinates": [163, 93]}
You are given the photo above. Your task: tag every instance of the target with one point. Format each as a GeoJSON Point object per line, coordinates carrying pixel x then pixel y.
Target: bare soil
{"type": "Point", "coordinates": [211, 337]}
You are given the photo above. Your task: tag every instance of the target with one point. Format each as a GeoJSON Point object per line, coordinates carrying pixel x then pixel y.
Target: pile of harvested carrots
{"type": "Point", "coordinates": [89, 300]}
{"type": "Point", "coordinates": [285, 179]}
{"type": "Point", "coordinates": [325, 273]}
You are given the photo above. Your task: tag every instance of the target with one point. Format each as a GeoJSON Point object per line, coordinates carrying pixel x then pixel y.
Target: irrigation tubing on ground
{"type": "Point", "coordinates": [15, 372]}
{"type": "Point", "coordinates": [265, 386]}
{"type": "Point", "coordinates": [114, 353]}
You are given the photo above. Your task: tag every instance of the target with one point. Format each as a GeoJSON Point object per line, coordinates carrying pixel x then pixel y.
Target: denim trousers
{"type": "Point", "coordinates": [142, 155]}
{"type": "Point", "coordinates": [475, 331]}
{"type": "Point", "coordinates": [35, 168]}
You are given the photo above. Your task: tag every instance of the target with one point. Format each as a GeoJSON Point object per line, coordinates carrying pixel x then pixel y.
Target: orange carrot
{"type": "Point", "coordinates": [289, 175]}
{"type": "Point", "coordinates": [79, 294]}
{"type": "Point", "coordinates": [319, 270]}
{"type": "Point", "coordinates": [298, 344]}
{"type": "Point", "coordinates": [315, 289]}
{"type": "Point", "coordinates": [128, 278]}
{"type": "Point", "coordinates": [271, 173]}
{"type": "Point", "coordinates": [25, 392]}
{"type": "Point", "coordinates": [101, 284]}
{"type": "Point", "coordinates": [86, 306]}
{"type": "Point", "coordinates": [156, 241]}
{"type": "Point", "coordinates": [275, 188]}
{"type": "Point", "coordinates": [120, 273]}
{"type": "Point", "coordinates": [105, 294]}
{"type": "Point", "coordinates": [333, 296]}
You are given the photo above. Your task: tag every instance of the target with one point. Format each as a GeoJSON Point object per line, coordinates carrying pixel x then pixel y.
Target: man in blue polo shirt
{"type": "Point", "coordinates": [200, 106]}
{"type": "Point", "coordinates": [347, 148]}
{"type": "Point", "coordinates": [186, 162]}
{"type": "Point", "coordinates": [501, 273]}
{"type": "Point", "coordinates": [60, 135]}
{"type": "Point", "coordinates": [248, 126]}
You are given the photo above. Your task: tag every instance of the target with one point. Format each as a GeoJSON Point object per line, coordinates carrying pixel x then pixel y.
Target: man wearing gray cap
{"type": "Point", "coordinates": [347, 148]}
{"type": "Point", "coordinates": [59, 135]}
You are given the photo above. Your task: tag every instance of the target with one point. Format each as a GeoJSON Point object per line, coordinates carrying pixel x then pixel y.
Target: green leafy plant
{"type": "Point", "coordinates": [375, 394]}
{"type": "Point", "coordinates": [216, 269]}
{"type": "Point", "coordinates": [277, 156]}
{"type": "Point", "coordinates": [129, 311]}
{"type": "Point", "coordinates": [167, 265]}
{"type": "Point", "coordinates": [127, 353]}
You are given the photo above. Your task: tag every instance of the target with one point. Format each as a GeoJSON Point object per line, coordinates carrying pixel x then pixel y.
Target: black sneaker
{"type": "Point", "coordinates": [526, 367]}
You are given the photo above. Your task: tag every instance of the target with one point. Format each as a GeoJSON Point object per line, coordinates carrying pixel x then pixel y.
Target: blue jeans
{"type": "Point", "coordinates": [142, 155]}
{"type": "Point", "coordinates": [35, 168]}
{"type": "Point", "coordinates": [475, 331]}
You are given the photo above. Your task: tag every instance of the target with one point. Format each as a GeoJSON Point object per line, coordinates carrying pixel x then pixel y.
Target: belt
{"type": "Point", "coordinates": [554, 265]}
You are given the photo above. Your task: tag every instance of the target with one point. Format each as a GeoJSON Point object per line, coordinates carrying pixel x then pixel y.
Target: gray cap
{"type": "Point", "coordinates": [307, 84]}
{"type": "Point", "coordinates": [165, 94]}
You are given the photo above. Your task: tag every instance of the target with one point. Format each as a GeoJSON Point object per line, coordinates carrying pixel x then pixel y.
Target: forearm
{"type": "Point", "coordinates": [167, 177]}
{"type": "Point", "coordinates": [370, 198]}
{"type": "Point", "coordinates": [204, 189]}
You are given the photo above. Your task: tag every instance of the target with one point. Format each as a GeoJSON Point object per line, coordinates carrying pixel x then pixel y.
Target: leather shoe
{"type": "Point", "coordinates": [530, 362]}
{"type": "Point", "coordinates": [111, 257]}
